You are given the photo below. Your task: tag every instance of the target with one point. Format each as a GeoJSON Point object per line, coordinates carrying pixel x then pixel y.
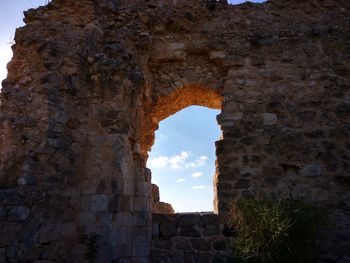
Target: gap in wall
{"type": "Point", "coordinates": [237, 2]}
{"type": "Point", "coordinates": [182, 159]}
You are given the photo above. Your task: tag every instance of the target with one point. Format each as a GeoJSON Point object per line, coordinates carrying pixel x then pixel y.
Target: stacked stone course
{"type": "Point", "coordinates": [189, 237]}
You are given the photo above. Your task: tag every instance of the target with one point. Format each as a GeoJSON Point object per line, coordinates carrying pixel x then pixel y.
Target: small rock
{"type": "Point", "coordinates": [200, 244]}
{"type": "Point", "coordinates": [217, 54]}
{"type": "Point", "coordinates": [312, 170]}
{"type": "Point", "coordinates": [27, 180]}
{"type": "Point", "coordinates": [18, 213]}
{"type": "Point", "coordinates": [270, 118]}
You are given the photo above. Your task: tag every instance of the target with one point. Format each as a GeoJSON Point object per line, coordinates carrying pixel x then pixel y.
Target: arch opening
{"type": "Point", "coordinates": [237, 2]}
{"type": "Point", "coordinates": [184, 153]}
{"type": "Point", "coordinates": [182, 161]}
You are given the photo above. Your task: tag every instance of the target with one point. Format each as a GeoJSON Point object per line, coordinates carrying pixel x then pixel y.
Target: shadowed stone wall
{"type": "Point", "coordinates": [90, 81]}
{"type": "Point", "coordinates": [186, 237]}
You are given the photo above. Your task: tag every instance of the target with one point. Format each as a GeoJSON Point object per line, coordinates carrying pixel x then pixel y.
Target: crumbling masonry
{"type": "Point", "coordinates": [91, 79]}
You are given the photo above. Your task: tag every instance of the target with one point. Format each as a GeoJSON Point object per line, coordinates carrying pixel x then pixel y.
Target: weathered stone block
{"type": "Point", "coordinates": [208, 219]}
{"type": "Point", "coordinates": [312, 170]}
{"type": "Point", "coordinates": [87, 218]}
{"type": "Point", "coordinates": [122, 234]}
{"type": "Point", "coordinates": [141, 233]}
{"type": "Point", "coordinates": [142, 204]}
{"type": "Point", "coordinates": [125, 203]}
{"type": "Point", "coordinates": [143, 189]}
{"type": "Point", "coordinates": [188, 220]}
{"type": "Point", "coordinates": [211, 230]}
{"type": "Point", "coordinates": [155, 230]}
{"type": "Point", "coordinates": [124, 218]}
{"type": "Point", "coordinates": [113, 203]}
{"type": "Point", "coordinates": [48, 234]}
{"type": "Point", "coordinates": [99, 203]}
{"type": "Point", "coordinates": [143, 218]}
{"type": "Point", "coordinates": [189, 232]}
{"type": "Point", "coordinates": [18, 213]}
{"type": "Point", "coordinates": [270, 118]}
{"type": "Point", "coordinates": [200, 244]}
{"type": "Point", "coordinates": [182, 243]}
{"type": "Point", "coordinates": [167, 230]}
{"type": "Point", "coordinates": [140, 249]}
{"type": "Point", "coordinates": [167, 51]}
{"type": "Point", "coordinates": [68, 230]}
{"type": "Point", "coordinates": [164, 244]}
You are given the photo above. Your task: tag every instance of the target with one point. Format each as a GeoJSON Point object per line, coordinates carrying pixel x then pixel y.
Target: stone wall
{"type": "Point", "coordinates": [189, 238]}
{"type": "Point", "coordinates": [90, 81]}
{"type": "Point", "coordinates": [159, 207]}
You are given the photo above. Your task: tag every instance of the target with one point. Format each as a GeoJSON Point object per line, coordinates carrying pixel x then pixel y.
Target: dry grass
{"type": "Point", "coordinates": [274, 231]}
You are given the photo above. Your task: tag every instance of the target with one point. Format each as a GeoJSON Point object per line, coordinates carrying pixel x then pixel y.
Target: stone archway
{"type": "Point", "coordinates": [90, 80]}
{"type": "Point", "coordinates": [169, 104]}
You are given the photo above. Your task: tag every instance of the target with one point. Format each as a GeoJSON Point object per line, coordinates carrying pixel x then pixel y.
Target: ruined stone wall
{"type": "Point", "coordinates": [189, 238]}
{"type": "Point", "coordinates": [157, 206]}
{"type": "Point", "coordinates": [90, 81]}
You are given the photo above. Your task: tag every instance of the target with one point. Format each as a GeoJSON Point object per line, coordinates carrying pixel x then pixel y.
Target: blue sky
{"type": "Point", "coordinates": [11, 17]}
{"type": "Point", "coordinates": [182, 159]}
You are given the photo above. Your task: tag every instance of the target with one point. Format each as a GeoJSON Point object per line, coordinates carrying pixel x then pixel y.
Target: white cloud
{"type": "Point", "coordinates": [180, 180]}
{"type": "Point", "coordinates": [158, 162]}
{"type": "Point", "coordinates": [199, 162]}
{"type": "Point", "coordinates": [178, 161]}
{"type": "Point", "coordinates": [197, 187]}
{"type": "Point", "coordinates": [203, 158]}
{"type": "Point", "coordinates": [175, 162]}
{"type": "Point", "coordinates": [197, 174]}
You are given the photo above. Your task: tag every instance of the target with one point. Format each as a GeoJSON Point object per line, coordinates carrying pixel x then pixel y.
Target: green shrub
{"type": "Point", "coordinates": [274, 231]}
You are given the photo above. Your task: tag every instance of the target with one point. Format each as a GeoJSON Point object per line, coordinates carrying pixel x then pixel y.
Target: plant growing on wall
{"type": "Point", "coordinates": [274, 231]}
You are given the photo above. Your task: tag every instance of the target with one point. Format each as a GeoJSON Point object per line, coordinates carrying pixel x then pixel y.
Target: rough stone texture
{"type": "Point", "coordinates": [185, 238]}
{"type": "Point", "coordinates": [90, 81]}
{"type": "Point", "coordinates": [159, 207]}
